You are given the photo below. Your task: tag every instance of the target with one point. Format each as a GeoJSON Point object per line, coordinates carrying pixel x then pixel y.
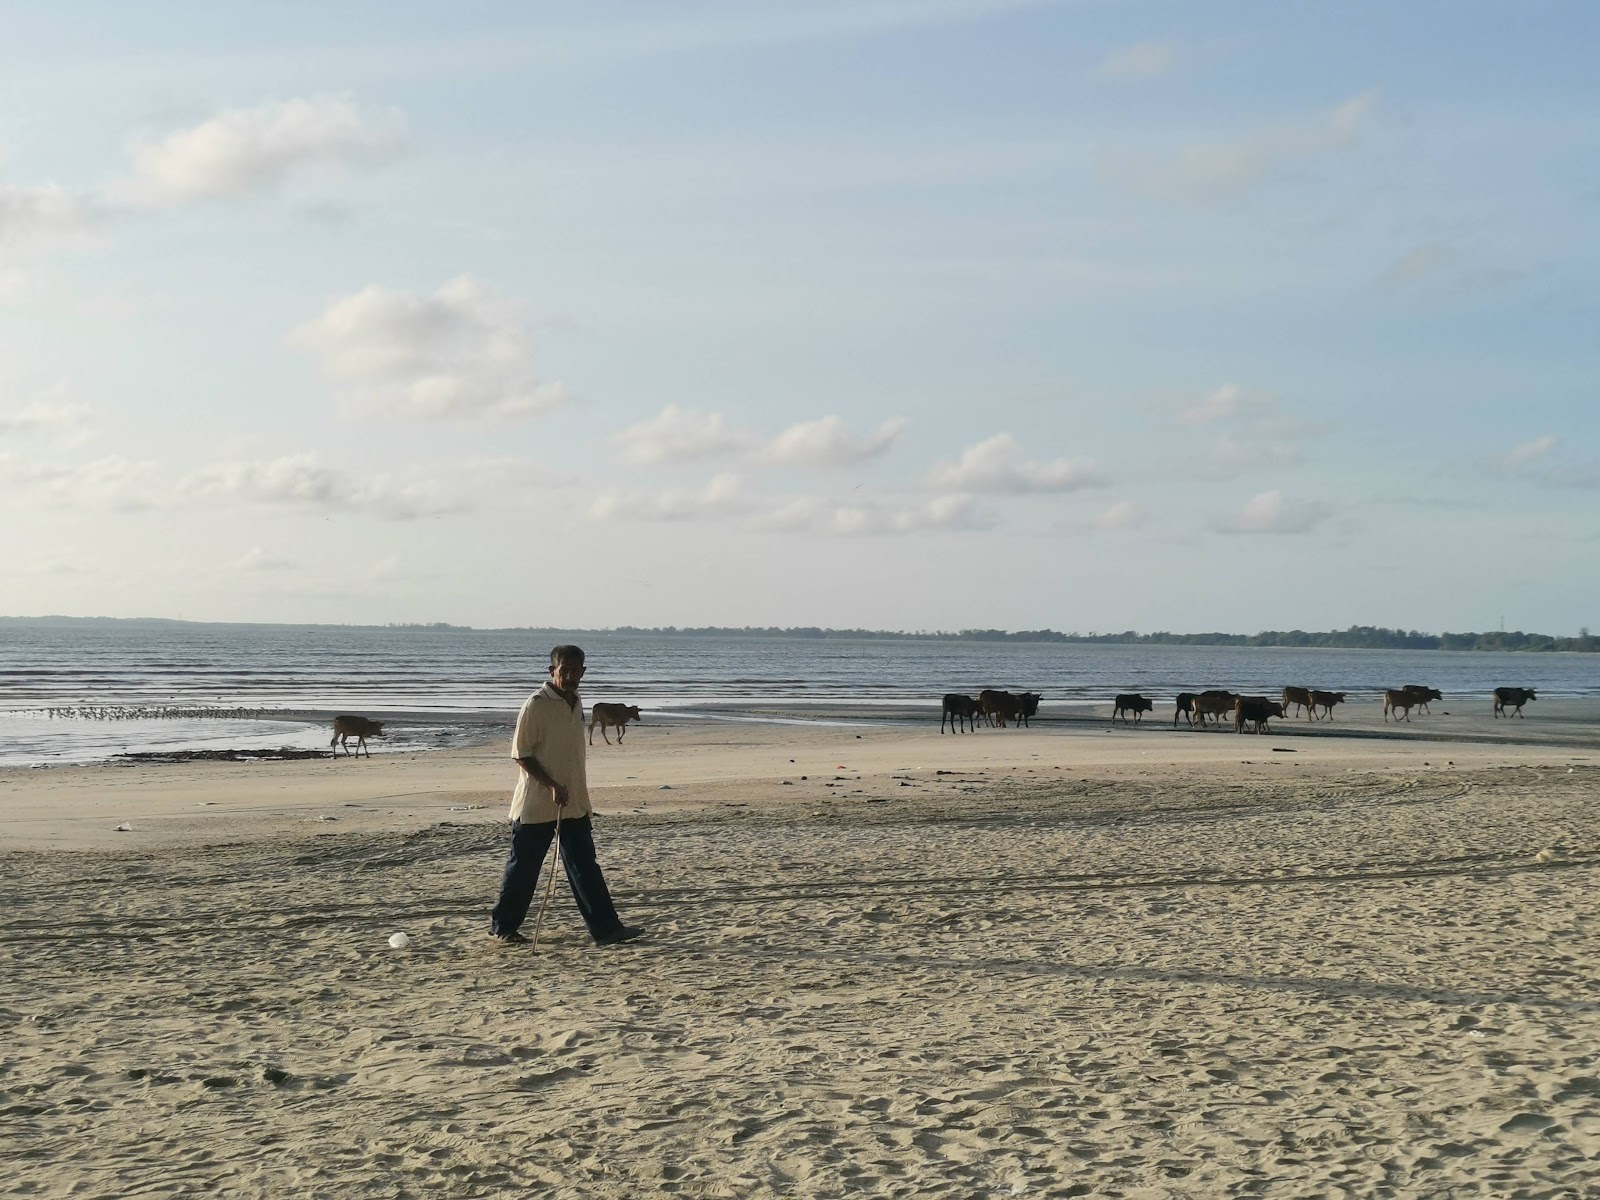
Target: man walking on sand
{"type": "Point", "coordinates": [552, 793]}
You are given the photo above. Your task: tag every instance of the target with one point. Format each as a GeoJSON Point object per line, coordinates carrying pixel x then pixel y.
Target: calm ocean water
{"type": "Point", "coordinates": [455, 677]}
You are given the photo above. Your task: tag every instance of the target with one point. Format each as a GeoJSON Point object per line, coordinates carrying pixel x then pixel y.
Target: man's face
{"type": "Point", "coordinates": [566, 672]}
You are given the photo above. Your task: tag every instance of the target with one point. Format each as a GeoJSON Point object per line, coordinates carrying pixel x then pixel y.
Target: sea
{"type": "Point", "coordinates": [92, 691]}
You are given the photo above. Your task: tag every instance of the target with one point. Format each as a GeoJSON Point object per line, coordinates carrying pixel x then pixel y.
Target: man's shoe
{"type": "Point", "coordinates": [622, 933]}
{"type": "Point", "coordinates": [510, 939]}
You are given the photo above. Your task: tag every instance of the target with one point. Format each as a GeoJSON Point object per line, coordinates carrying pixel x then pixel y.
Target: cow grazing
{"type": "Point", "coordinates": [1257, 710]}
{"type": "Point", "coordinates": [1132, 702]}
{"type": "Point", "coordinates": [1300, 698]}
{"type": "Point", "coordinates": [1183, 707]}
{"type": "Point", "coordinates": [998, 706]}
{"type": "Point", "coordinates": [1424, 694]}
{"type": "Point", "coordinates": [1509, 697]}
{"type": "Point", "coordinates": [1325, 701]}
{"type": "Point", "coordinates": [345, 728]}
{"type": "Point", "coordinates": [960, 711]}
{"type": "Point", "coordinates": [611, 714]}
{"type": "Point", "coordinates": [1213, 702]}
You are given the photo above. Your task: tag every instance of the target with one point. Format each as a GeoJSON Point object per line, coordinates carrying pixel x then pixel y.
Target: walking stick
{"type": "Point", "coordinates": [550, 883]}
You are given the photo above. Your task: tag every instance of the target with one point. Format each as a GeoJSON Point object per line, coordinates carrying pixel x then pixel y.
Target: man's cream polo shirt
{"type": "Point", "coordinates": [552, 732]}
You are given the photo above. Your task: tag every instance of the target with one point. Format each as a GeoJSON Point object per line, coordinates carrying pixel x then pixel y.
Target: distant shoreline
{"type": "Point", "coordinates": [1356, 637]}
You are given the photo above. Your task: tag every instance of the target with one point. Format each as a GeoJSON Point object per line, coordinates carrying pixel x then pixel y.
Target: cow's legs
{"type": "Point", "coordinates": [606, 735]}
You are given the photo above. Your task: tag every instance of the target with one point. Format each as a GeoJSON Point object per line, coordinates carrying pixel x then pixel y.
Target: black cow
{"type": "Point", "coordinates": [1183, 707]}
{"type": "Point", "coordinates": [998, 706]}
{"type": "Point", "coordinates": [1423, 695]}
{"type": "Point", "coordinates": [1257, 710]}
{"type": "Point", "coordinates": [1509, 697]}
{"type": "Point", "coordinates": [1132, 702]}
{"type": "Point", "coordinates": [1030, 706]}
{"type": "Point", "coordinates": [962, 709]}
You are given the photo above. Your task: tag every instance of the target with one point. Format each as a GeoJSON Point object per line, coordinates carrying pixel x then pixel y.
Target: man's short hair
{"type": "Point", "coordinates": [564, 652]}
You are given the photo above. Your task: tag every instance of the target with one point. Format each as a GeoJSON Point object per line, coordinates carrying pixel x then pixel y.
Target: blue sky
{"type": "Point", "coordinates": [910, 315]}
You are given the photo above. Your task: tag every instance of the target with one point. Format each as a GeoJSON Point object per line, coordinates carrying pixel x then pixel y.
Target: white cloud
{"type": "Point", "coordinates": [827, 442]}
{"type": "Point", "coordinates": [1146, 60]}
{"type": "Point", "coordinates": [680, 435]}
{"type": "Point", "coordinates": [33, 215]}
{"type": "Point", "coordinates": [461, 354]}
{"type": "Point", "coordinates": [111, 483]}
{"type": "Point", "coordinates": [1270, 512]}
{"type": "Point", "coordinates": [1124, 514]}
{"type": "Point", "coordinates": [997, 466]}
{"type": "Point", "coordinates": [872, 517]}
{"type": "Point", "coordinates": [246, 150]}
{"type": "Point", "coordinates": [1225, 403]}
{"type": "Point", "coordinates": [724, 496]}
{"type": "Point", "coordinates": [51, 413]}
{"type": "Point", "coordinates": [1213, 170]}
{"type": "Point", "coordinates": [1233, 456]}
{"type": "Point", "coordinates": [301, 482]}
{"type": "Point", "coordinates": [257, 559]}
{"type": "Point", "coordinates": [1531, 462]}
{"type": "Point", "coordinates": [1530, 451]}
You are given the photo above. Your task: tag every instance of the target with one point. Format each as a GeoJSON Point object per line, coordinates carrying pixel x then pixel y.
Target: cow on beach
{"type": "Point", "coordinates": [605, 715]}
{"type": "Point", "coordinates": [1256, 710]}
{"type": "Point", "coordinates": [1424, 694]}
{"type": "Point", "coordinates": [1300, 698]}
{"type": "Point", "coordinates": [1029, 706]}
{"type": "Point", "coordinates": [1183, 707]}
{"type": "Point", "coordinates": [1402, 700]}
{"type": "Point", "coordinates": [961, 711]}
{"type": "Point", "coordinates": [1513, 698]}
{"type": "Point", "coordinates": [347, 727]}
{"type": "Point", "coordinates": [998, 706]}
{"type": "Point", "coordinates": [1214, 702]}
{"type": "Point", "coordinates": [1131, 702]}
{"type": "Point", "coordinates": [1325, 701]}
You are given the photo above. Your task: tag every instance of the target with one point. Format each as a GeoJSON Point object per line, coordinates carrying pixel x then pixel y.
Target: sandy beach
{"type": "Point", "coordinates": [1066, 961]}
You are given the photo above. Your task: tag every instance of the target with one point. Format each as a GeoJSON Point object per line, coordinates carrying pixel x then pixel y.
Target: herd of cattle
{"type": "Point", "coordinates": [998, 708]}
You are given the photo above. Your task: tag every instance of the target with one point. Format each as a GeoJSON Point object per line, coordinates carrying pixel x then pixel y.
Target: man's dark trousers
{"type": "Point", "coordinates": [529, 844]}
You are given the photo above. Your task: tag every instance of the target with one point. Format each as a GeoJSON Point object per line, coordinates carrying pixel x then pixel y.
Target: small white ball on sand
{"type": "Point", "coordinates": [398, 941]}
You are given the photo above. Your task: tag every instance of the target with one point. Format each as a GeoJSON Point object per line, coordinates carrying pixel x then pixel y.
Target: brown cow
{"type": "Point", "coordinates": [1131, 702]}
{"type": "Point", "coordinates": [1510, 697]}
{"type": "Point", "coordinates": [1213, 703]}
{"type": "Point", "coordinates": [960, 708]}
{"type": "Point", "coordinates": [1300, 698]}
{"type": "Point", "coordinates": [1257, 710]}
{"type": "Point", "coordinates": [1325, 701]}
{"type": "Point", "coordinates": [611, 714]}
{"type": "Point", "coordinates": [1401, 700]}
{"type": "Point", "coordinates": [346, 727]}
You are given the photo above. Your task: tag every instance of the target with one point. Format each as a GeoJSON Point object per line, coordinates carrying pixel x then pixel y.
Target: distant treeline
{"type": "Point", "coordinates": [1357, 637]}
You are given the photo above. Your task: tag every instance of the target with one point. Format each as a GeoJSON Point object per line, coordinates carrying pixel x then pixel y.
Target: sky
{"type": "Point", "coordinates": [940, 314]}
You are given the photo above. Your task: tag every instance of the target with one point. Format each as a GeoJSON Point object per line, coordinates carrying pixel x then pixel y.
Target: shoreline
{"type": "Point", "coordinates": [671, 764]}
{"type": "Point", "coordinates": [1571, 722]}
